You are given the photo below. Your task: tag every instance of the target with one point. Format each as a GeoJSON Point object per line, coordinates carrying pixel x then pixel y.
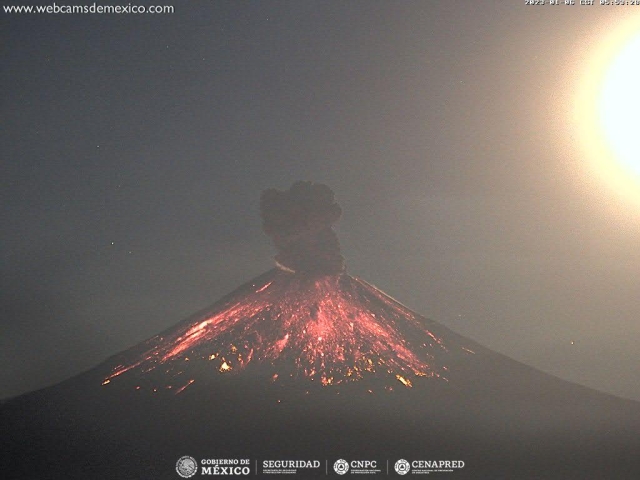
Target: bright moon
{"type": "Point", "coordinates": [619, 106]}
{"type": "Point", "coordinates": [606, 110]}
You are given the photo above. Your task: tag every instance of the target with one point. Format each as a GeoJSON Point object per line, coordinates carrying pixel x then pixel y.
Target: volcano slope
{"type": "Point", "coordinates": [309, 362]}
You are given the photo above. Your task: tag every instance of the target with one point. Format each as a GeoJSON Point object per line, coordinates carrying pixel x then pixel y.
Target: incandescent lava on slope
{"type": "Point", "coordinates": [305, 321]}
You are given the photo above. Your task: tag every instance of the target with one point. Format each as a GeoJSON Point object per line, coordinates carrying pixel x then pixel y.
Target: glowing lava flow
{"type": "Point", "coordinates": [329, 330]}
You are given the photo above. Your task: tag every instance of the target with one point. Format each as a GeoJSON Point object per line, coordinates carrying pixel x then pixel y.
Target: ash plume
{"type": "Point", "coordinates": [299, 222]}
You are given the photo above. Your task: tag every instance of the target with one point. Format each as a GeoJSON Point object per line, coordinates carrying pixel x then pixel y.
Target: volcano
{"type": "Point", "coordinates": [308, 363]}
{"type": "Point", "coordinates": [306, 322]}
{"type": "Point", "coordinates": [298, 330]}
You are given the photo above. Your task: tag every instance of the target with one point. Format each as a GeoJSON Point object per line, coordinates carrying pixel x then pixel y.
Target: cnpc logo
{"type": "Point", "coordinates": [357, 466]}
{"type": "Point", "coordinates": [341, 466]}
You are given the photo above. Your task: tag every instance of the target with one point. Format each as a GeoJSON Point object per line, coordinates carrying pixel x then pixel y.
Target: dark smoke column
{"type": "Point", "coordinates": [299, 222]}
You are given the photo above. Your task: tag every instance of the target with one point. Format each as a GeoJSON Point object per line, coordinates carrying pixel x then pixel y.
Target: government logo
{"type": "Point", "coordinates": [402, 467]}
{"type": "Point", "coordinates": [341, 467]}
{"type": "Point", "coordinates": [186, 466]}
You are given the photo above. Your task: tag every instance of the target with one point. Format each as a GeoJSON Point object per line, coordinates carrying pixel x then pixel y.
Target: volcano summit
{"type": "Point", "coordinates": [309, 362]}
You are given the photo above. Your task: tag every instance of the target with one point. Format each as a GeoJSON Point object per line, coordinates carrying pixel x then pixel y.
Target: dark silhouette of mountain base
{"type": "Point", "coordinates": [306, 362]}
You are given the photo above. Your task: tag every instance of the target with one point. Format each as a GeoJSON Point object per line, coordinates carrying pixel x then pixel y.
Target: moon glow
{"type": "Point", "coordinates": [619, 106]}
{"type": "Point", "coordinates": [606, 112]}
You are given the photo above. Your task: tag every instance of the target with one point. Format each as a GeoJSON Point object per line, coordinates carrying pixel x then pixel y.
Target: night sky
{"type": "Point", "coordinates": [135, 149]}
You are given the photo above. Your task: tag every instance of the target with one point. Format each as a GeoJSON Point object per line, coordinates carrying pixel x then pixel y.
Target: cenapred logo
{"type": "Point", "coordinates": [341, 466]}
{"type": "Point", "coordinates": [402, 467]}
{"type": "Point", "coordinates": [186, 466]}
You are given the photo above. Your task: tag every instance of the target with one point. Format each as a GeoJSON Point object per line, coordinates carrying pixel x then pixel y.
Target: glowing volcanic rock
{"type": "Point", "coordinates": [330, 330]}
{"type": "Point", "coordinates": [306, 320]}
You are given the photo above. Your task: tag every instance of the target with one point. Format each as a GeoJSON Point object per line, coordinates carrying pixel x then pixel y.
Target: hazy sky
{"type": "Point", "coordinates": [135, 148]}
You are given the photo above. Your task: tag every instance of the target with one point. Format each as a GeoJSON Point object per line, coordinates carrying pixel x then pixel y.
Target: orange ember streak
{"type": "Point", "coordinates": [264, 288]}
{"type": "Point", "coordinates": [181, 389]}
{"type": "Point", "coordinates": [122, 369]}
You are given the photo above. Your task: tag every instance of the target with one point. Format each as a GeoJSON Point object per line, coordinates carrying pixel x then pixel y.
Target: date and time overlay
{"type": "Point", "coordinates": [583, 2]}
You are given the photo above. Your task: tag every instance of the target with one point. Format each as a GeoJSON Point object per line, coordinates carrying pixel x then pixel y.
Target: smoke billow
{"type": "Point", "coordinates": [299, 222]}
